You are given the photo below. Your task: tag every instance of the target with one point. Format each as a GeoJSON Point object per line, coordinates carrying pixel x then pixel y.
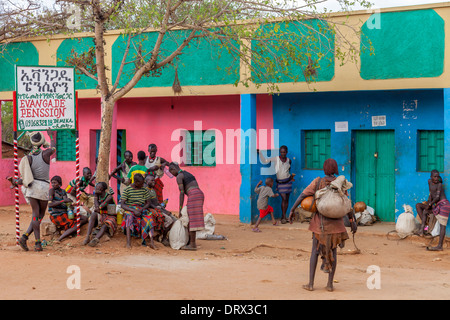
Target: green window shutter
{"type": "Point", "coordinates": [317, 148]}
{"type": "Point", "coordinates": [196, 148]}
{"type": "Point", "coordinates": [65, 145]}
{"type": "Point", "coordinates": [200, 148]}
{"type": "Point", "coordinates": [209, 148]}
{"type": "Point", "coordinates": [431, 150]}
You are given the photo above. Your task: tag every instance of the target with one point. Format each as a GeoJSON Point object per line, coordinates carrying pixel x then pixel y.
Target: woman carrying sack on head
{"type": "Point", "coordinates": [327, 233]}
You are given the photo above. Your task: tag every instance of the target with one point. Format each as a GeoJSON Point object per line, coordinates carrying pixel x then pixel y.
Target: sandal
{"type": "Point", "coordinates": [188, 248]}
{"type": "Point", "coordinates": [38, 246]}
{"type": "Point", "coordinates": [94, 242]}
{"type": "Point", "coordinates": [434, 249]}
{"type": "Point", "coordinates": [165, 242]}
{"type": "Point", "coordinates": [23, 243]}
{"type": "Point", "coordinates": [256, 230]}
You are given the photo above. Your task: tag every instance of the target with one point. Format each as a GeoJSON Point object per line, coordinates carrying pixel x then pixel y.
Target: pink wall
{"type": "Point", "coordinates": [153, 120]}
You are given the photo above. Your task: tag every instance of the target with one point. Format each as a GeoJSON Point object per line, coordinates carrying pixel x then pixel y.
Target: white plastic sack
{"type": "Point", "coordinates": [366, 218]}
{"type": "Point", "coordinates": [370, 210]}
{"type": "Point", "coordinates": [210, 226]}
{"type": "Point", "coordinates": [436, 230]}
{"type": "Point", "coordinates": [179, 234]}
{"type": "Point", "coordinates": [406, 222]}
{"type": "Point", "coordinates": [331, 201]}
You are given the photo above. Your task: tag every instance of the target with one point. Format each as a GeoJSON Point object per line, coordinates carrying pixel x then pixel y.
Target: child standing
{"type": "Point", "coordinates": [124, 167]}
{"type": "Point", "coordinates": [263, 202]}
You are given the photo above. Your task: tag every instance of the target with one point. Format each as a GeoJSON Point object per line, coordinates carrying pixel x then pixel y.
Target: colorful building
{"type": "Point", "coordinates": [385, 118]}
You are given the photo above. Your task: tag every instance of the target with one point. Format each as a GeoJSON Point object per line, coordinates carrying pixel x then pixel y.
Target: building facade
{"type": "Point", "coordinates": [384, 118]}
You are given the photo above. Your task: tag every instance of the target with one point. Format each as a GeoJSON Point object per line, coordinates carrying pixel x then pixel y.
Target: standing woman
{"type": "Point", "coordinates": [35, 180]}
{"type": "Point", "coordinates": [187, 184]}
{"type": "Point", "coordinates": [328, 233]}
{"type": "Point", "coordinates": [284, 178]}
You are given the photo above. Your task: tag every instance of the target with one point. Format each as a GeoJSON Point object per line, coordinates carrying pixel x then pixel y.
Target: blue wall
{"type": "Point", "coordinates": [406, 112]}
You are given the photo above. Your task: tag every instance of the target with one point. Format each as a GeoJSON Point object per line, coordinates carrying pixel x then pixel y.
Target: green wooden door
{"type": "Point", "coordinates": [374, 171]}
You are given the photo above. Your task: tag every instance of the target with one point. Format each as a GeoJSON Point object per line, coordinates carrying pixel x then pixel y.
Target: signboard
{"type": "Point", "coordinates": [45, 98]}
{"type": "Point", "coordinates": [378, 121]}
{"type": "Point", "coordinates": [341, 126]}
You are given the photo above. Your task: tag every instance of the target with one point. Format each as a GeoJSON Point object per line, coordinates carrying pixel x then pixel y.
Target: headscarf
{"type": "Point", "coordinates": [330, 167]}
{"type": "Point", "coordinates": [42, 141]}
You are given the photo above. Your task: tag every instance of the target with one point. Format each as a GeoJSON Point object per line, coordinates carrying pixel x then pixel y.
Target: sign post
{"type": "Point", "coordinates": [16, 171]}
{"type": "Point", "coordinates": [44, 99]}
{"type": "Point", "coordinates": [77, 165]}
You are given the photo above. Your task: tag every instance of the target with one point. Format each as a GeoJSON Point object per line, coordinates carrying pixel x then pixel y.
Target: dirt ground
{"type": "Point", "coordinates": [271, 265]}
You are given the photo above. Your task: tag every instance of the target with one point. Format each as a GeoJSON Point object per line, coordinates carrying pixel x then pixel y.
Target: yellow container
{"type": "Point", "coordinates": [119, 218]}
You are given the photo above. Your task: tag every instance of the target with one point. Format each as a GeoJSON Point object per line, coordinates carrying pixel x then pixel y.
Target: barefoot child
{"type": "Point", "coordinates": [124, 167]}
{"type": "Point", "coordinates": [263, 202]}
{"type": "Point", "coordinates": [106, 220]}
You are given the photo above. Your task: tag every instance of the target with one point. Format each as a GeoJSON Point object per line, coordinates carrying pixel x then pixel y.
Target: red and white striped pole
{"type": "Point", "coordinates": [16, 168]}
{"type": "Point", "coordinates": [16, 188]}
{"type": "Point", "coordinates": [77, 165]}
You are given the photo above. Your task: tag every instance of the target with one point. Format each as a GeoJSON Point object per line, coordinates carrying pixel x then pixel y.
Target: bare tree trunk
{"type": "Point", "coordinates": [104, 148]}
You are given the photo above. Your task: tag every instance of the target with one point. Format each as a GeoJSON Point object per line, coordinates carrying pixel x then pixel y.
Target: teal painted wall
{"type": "Point", "coordinates": [316, 41]}
{"type": "Point", "coordinates": [408, 44]}
{"type": "Point", "coordinates": [80, 46]}
{"type": "Point", "coordinates": [18, 53]}
{"type": "Point", "coordinates": [203, 62]}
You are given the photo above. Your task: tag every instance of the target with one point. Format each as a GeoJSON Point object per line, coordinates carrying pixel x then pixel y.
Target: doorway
{"type": "Point", "coordinates": [374, 170]}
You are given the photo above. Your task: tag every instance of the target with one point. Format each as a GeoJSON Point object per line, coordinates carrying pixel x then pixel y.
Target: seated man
{"type": "Point", "coordinates": [136, 220]}
{"type": "Point", "coordinates": [438, 205]}
{"type": "Point", "coordinates": [86, 199]}
{"type": "Point", "coordinates": [107, 221]}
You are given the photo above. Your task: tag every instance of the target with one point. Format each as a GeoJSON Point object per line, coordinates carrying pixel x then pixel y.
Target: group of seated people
{"type": "Point", "coordinates": [144, 214]}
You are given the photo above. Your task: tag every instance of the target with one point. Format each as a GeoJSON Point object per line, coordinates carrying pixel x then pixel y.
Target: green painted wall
{"type": "Point", "coordinates": [20, 53]}
{"type": "Point", "coordinates": [406, 44]}
{"type": "Point", "coordinates": [316, 41]}
{"type": "Point", "coordinates": [80, 46]}
{"type": "Point", "coordinates": [202, 62]}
